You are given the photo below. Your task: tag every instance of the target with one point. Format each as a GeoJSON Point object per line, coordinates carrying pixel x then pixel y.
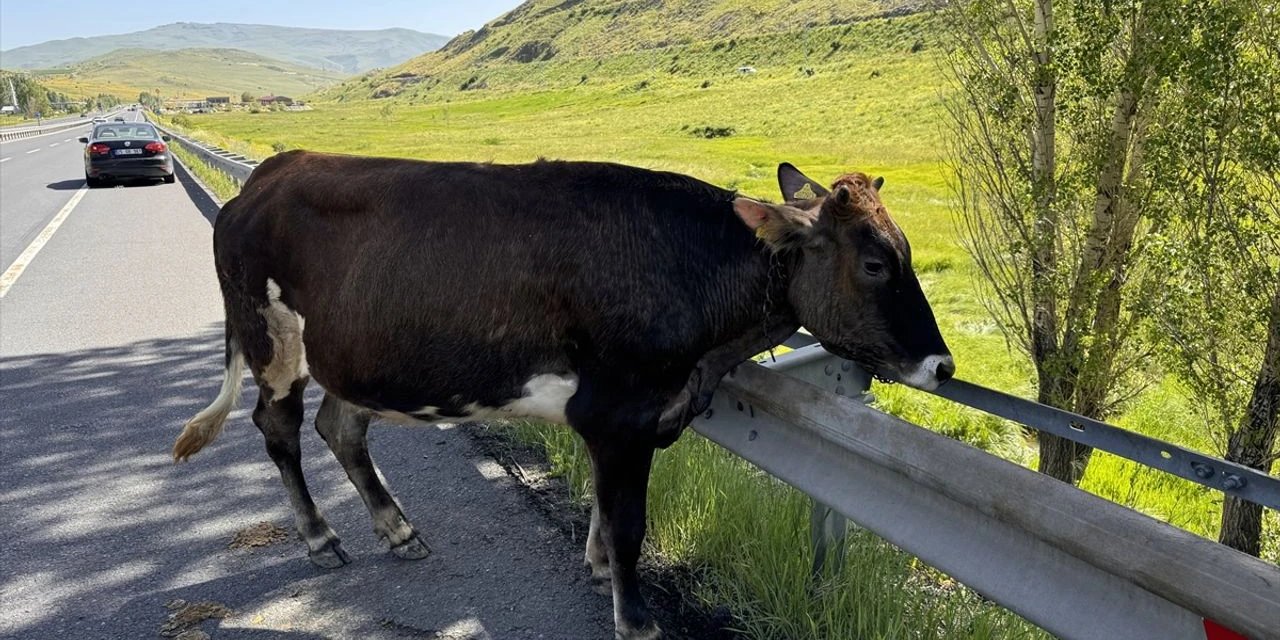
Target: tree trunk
{"type": "Point", "coordinates": [1108, 235]}
{"type": "Point", "coordinates": [1253, 443]}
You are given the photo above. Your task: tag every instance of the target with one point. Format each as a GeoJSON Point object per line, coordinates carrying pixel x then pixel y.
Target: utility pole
{"type": "Point", "coordinates": [13, 95]}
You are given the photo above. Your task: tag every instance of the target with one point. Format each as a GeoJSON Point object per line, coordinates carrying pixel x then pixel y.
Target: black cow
{"type": "Point", "coordinates": [606, 297]}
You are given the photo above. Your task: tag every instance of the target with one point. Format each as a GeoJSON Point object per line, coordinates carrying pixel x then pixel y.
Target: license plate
{"type": "Point", "coordinates": [128, 152]}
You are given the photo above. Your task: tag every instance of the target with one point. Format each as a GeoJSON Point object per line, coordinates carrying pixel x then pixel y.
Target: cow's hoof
{"type": "Point", "coordinates": [649, 631]}
{"type": "Point", "coordinates": [411, 549]}
{"type": "Point", "coordinates": [330, 556]}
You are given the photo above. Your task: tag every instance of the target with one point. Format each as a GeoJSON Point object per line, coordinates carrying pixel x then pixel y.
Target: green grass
{"type": "Point", "coordinates": [870, 104]}
{"type": "Point", "coordinates": [221, 184]}
{"type": "Point", "coordinates": [746, 536]}
{"type": "Point", "coordinates": [191, 74]}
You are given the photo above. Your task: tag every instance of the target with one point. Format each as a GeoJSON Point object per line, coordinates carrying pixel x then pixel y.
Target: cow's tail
{"type": "Point", "coordinates": [202, 429]}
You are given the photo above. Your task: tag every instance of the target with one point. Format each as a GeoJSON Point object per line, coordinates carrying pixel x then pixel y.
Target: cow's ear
{"type": "Point", "coordinates": [780, 226]}
{"type": "Point", "coordinates": [796, 185]}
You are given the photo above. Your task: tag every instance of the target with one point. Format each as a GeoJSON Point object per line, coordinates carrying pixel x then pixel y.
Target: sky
{"type": "Point", "coordinates": [24, 22]}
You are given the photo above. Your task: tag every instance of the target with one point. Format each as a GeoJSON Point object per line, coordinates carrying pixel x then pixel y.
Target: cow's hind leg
{"type": "Point", "coordinates": [343, 426]}
{"type": "Point", "coordinates": [280, 421]}
{"type": "Point", "coordinates": [597, 555]}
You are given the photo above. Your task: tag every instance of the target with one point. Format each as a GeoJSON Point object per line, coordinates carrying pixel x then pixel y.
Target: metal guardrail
{"type": "Point", "coordinates": [27, 132]}
{"type": "Point", "coordinates": [1077, 565]}
{"type": "Point", "coordinates": [236, 166]}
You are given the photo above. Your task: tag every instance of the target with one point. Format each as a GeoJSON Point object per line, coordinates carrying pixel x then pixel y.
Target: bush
{"type": "Point", "coordinates": [710, 132]}
{"type": "Point", "coordinates": [278, 147]}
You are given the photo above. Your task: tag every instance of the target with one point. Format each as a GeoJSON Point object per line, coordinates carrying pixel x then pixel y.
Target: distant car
{"type": "Point", "coordinates": [120, 151]}
{"type": "Point", "coordinates": [119, 119]}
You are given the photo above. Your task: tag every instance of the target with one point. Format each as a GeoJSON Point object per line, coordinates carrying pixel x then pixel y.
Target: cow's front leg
{"type": "Point", "coordinates": [621, 473]}
{"type": "Point", "coordinates": [695, 396]}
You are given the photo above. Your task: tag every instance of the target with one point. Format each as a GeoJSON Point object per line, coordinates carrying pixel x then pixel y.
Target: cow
{"type": "Point", "coordinates": [609, 298]}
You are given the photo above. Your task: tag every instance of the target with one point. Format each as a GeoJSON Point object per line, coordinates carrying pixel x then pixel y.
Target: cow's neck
{"type": "Point", "coordinates": [767, 321]}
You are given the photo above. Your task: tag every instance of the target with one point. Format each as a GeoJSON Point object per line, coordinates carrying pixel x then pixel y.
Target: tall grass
{"type": "Point", "coordinates": [745, 535]}
{"type": "Point", "coordinates": [221, 184]}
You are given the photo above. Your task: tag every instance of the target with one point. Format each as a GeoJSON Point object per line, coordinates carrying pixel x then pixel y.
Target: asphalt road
{"type": "Point", "coordinates": [111, 339]}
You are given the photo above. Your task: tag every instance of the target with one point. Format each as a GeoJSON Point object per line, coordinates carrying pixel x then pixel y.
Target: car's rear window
{"type": "Point", "coordinates": [124, 132]}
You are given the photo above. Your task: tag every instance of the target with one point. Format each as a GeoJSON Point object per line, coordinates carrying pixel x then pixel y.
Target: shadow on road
{"type": "Point", "coordinates": [66, 185]}
{"type": "Point", "coordinates": [102, 529]}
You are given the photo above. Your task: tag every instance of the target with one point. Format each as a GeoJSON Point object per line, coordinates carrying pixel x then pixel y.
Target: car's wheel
{"type": "Point", "coordinates": [93, 183]}
{"type": "Point", "coordinates": [169, 179]}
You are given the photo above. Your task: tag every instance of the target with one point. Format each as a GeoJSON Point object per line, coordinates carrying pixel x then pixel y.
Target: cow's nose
{"type": "Point", "coordinates": [946, 369]}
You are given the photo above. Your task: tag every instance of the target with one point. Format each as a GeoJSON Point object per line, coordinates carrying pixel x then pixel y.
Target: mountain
{"type": "Point", "coordinates": [191, 73]}
{"type": "Point", "coordinates": [342, 51]}
{"type": "Point", "coordinates": [564, 33]}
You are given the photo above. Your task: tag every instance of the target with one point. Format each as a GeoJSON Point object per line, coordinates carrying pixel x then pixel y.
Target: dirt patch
{"type": "Point", "coordinates": [666, 586]}
{"type": "Point", "coordinates": [187, 615]}
{"type": "Point", "coordinates": [259, 535]}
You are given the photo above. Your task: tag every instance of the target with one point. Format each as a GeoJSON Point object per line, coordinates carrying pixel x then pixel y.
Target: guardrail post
{"type": "Point", "coordinates": [828, 528]}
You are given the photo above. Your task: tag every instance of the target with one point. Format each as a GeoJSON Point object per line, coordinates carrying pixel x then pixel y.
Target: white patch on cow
{"type": "Point", "coordinates": [289, 354]}
{"type": "Point", "coordinates": [545, 397]}
{"type": "Point", "coordinates": [925, 375]}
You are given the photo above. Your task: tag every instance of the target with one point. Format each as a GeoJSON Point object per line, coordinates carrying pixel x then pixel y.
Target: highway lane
{"type": "Point", "coordinates": [110, 340]}
{"type": "Point", "coordinates": [38, 175]}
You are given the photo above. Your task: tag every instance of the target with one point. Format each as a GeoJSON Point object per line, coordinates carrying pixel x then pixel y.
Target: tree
{"type": "Point", "coordinates": [1217, 313]}
{"type": "Point", "coordinates": [246, 97]}
{"type": "Point", "coordinates": [1050, 123]}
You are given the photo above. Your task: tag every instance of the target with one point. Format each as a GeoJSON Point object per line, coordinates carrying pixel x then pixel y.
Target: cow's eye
{"type": "Point", "coordinates": [873, 267]}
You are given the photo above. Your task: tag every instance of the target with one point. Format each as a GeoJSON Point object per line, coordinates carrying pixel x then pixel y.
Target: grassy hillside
{"type": "Point", "coordinates": [336, 50]}
{"type": "Point", "coordinates": [863, 95]}
{"type": "Point", "coordinates": [186, 73]}
{"type": "Point", "coordinates": [596, 31]}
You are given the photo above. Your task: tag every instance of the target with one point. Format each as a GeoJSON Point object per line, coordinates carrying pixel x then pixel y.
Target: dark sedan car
{"type": "Point", "coordinates": [132, 150]}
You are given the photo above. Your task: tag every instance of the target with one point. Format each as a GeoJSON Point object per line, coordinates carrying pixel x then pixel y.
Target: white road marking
{"type": "Point", "coordinates": [5, 159]}
{"type": "Point", "coordinates": [34, 150]}
{"type": "Point", "coordinates": [11, 274]}
{"type": "Point", "coordinates": [54, 144]}
{"type": "Point", "coordinates": [67, 140]}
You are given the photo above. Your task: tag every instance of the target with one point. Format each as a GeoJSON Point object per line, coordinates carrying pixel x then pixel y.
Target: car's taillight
{"type": "Point", "coordinates": [155, 147]}
{"type": "Point", "coordinates": [99, 149]}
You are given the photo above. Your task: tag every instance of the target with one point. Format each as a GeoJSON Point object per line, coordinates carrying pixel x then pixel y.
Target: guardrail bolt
{"type": "Point", "coordinates": [840, 390]}
{"type": "Point", "coordinates": [829, 370]}
{"type": "Point", "coordinates": [709, 413]}
{"type": "Point", "coordinates": [1203, 471]}
{"type": "Point", "coordinates": [752, 435]}
{"type": "Point", "coordinates": [846, 366]}
{"type": "Point", "coordinates": [1232, 482]}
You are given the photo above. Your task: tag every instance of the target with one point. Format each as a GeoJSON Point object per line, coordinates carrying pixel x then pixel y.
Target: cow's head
{"type": "Point", "coordinates": [851, 283]}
